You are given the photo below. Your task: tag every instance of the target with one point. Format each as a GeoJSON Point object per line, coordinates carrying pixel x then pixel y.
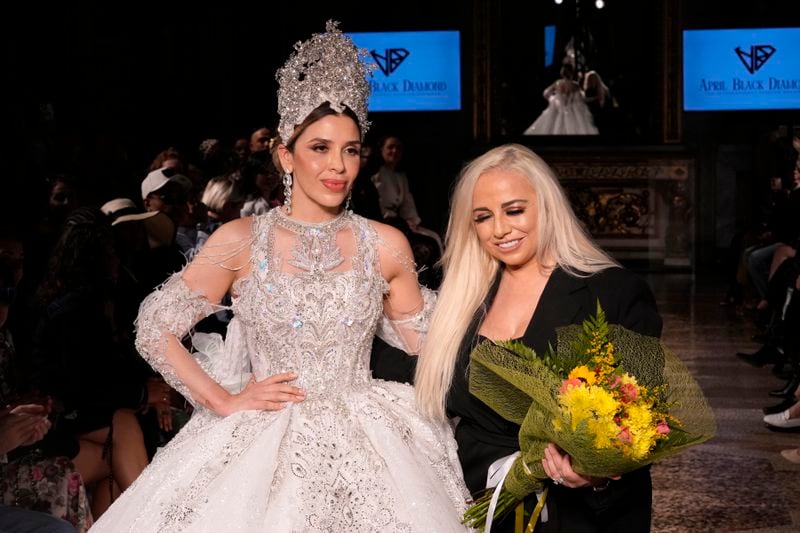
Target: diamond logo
{"type": "Point", "coordinates": [390, 60]}
{"type": "Point", "coordinates": [756, 57]}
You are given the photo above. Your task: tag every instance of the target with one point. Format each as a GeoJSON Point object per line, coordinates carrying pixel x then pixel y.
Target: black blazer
{"type": "Point", "coordinates": [484, 436]}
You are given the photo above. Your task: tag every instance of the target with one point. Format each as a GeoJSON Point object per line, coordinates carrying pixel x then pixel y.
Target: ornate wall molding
{"type": "Point", "coordinates": [636, 207]}
{"type": "Point", "coordinates": [623, 170]}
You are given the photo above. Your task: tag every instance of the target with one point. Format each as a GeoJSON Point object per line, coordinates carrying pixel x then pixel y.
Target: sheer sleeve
{"type": "Point", "coordinates": [407, 331]}
{"type": "Point", "coordinates": [172, 308]}
{"type": "Point", "coordinates": [407, 306]}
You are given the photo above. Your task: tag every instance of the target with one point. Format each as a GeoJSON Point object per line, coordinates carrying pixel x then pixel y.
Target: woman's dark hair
{"type": "Point", "coordinates": [321, 111]}
{"type": "Point", "coordinates": [81, 256]}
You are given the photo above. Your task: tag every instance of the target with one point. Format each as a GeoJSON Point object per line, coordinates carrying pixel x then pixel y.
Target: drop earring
{"type": "Point", "coordinates": [287, 192]}
{"type": "Point", "coordinates": [347, 203]}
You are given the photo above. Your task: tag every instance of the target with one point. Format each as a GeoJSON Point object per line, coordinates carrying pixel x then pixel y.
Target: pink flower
{"type": "Point", "coordinates": [630, 392]}
{"type": "Point", "coordinates": [624, 435]}
{"type": "Point", "coordinates": [36, 473]}
{"type": "Point", "coordinates": [614, 384]}
{"type": "Point", "coordinates": [568, 384]}
{"type": "Point", "coordinates": [662, 428]}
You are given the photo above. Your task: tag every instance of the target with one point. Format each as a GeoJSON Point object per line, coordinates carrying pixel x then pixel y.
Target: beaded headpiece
{"type": "Point", "coordinates": [326, 68]}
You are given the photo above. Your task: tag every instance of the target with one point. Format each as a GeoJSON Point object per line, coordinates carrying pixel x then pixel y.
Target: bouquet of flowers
{"type": "Point", "coordinates": [614, 400]}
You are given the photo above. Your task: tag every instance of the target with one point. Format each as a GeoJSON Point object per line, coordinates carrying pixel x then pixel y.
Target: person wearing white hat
{"type": "Point", "coordinates": [159, 227]}
{"type": "Point", "coordinates": [164, 191]}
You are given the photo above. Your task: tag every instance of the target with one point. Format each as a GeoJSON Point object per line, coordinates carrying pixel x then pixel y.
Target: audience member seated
{"type": "Point", "coordinates": [261, 141]}
{"type": "Point", "coordinates": [212, 160]}
{"type": "Point", "coordinates": [168, 193]}
{"type": "Point", "coordinates": [30, 480]}
{"type": "Point", "coordinates": [78, 360]}
{"type": "Point", "coordinates": [364, 200]}
{"type": "Point", "coordinates": [399, 210]}
{"type": "Point", "coordinates": [37, 494]}
{"type": "Point", "coordinates": [139, 238]}
{"type": "Point", "coordinates": [239, 155]}
{"type": "Point", "coordinates": [224, 199]}
{"type": "Point", "coordinates": [262, 182]}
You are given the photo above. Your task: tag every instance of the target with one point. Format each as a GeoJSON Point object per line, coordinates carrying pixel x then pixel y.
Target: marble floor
{"type": "Point", "coordinates": [737, 481]}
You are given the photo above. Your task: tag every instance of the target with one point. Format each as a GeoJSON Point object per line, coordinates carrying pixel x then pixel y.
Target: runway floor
{"type": "Point", "coordinates": [737, 481]}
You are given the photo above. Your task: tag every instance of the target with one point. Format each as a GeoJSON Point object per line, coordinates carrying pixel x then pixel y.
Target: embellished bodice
{"type": "Point", "coordinates": [312, 300]}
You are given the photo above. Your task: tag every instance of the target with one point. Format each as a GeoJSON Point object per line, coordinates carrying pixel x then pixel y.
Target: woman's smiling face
{"type": "Point", "coordinates": [324, 163]}
{"type": "Point", "coordinates": [505, 217]}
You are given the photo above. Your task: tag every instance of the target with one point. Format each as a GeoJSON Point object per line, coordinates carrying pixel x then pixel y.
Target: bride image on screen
{"type": "Point", "coordinates": [566, 112]}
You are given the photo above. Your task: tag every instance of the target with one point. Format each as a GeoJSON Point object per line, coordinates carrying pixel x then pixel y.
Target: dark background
{"type": "Point", "coordinates": [98, 90]}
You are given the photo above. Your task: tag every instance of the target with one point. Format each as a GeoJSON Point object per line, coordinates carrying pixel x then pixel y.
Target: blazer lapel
{"type": "Point", "coordinates": [562, 302]}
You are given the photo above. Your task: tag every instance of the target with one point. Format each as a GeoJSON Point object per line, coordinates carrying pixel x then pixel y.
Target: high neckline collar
{"type": "Point", "coordinates": [334, 222]}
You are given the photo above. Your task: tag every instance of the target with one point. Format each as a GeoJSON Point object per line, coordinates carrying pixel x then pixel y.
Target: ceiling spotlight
{"type": "Point", "coordinates": [599, 4]}
{"type": "Point", "coordinates": [559, 2]}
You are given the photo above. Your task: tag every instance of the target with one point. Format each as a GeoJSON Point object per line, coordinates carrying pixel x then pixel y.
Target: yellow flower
{"type": "Point", "coordinates": [583, 373]}
{"type": "Point", "coordinates": [588, 403]}
{"type": "Point", "coordinates": [642, 428]}
{"type": "Point", "coordinates": [627, 378]}
{"type": "Point", "coordinates": [604, 431]}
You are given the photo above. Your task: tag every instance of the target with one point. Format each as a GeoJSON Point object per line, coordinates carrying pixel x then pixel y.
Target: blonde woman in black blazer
{"type": "Point", "coordinates": [518, 265]}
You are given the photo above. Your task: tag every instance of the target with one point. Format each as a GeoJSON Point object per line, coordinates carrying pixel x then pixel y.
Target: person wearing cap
{"type": "Point", "coordinates": [171, 194]}
{"type": "Point", "coordinates": [158, 227]}
{"type": "Point", "coordinates": [165, 191]}
{"type": "Point", "coordinates": [147, 239]}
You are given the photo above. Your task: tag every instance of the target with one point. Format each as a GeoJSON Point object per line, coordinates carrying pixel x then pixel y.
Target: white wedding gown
{"type": "Point", "coordinates": [566, 114]}
{"type": "Point", "coordinates": [354, 456]}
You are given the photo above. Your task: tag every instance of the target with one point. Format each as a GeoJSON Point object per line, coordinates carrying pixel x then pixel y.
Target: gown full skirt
{"type": "Point", "coordinates": [361, 461]}
{"type": "Point", "coordinates": [565, 114]}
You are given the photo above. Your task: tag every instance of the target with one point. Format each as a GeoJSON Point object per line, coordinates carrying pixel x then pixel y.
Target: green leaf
{"type": "Point", "coordinates": [519, 348]}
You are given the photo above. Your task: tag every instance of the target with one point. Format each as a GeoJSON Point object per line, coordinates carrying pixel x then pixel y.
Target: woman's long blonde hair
{"type": "Point", "coordinates": [469, 270]}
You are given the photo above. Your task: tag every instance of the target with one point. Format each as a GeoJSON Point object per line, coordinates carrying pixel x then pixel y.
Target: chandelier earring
{"type": "Point", "coordinates": [287, 192]}
{"type": "Point", "coordinates": [348, 202]}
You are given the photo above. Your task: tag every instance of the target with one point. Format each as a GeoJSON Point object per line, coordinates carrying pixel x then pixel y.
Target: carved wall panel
{"type": "Point", "coordinates": [635, 207]}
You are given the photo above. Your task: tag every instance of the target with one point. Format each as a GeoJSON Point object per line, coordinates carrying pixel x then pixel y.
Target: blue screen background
{"type": "Point", "coordinates": [428, 79]}
{"type": "Point", "coordinates": [714, 78]}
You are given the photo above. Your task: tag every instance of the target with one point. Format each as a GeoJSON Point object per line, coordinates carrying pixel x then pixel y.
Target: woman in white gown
{"type": "Point", "coordinates": [291, 433]}
{"type": "Point", "coordinates": [566, 112]}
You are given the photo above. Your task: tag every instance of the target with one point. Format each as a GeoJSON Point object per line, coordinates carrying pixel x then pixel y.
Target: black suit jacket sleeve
{"type": "Point", "coordinates": [390, 363]}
